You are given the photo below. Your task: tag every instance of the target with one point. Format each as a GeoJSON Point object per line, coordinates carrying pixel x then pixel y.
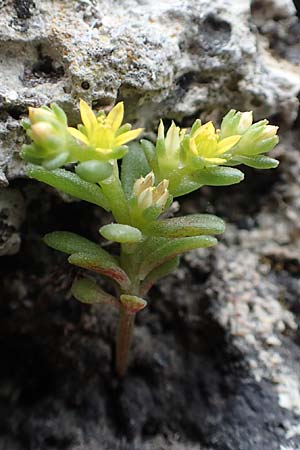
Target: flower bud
{"type": "Point", "coordinates": [236, 122]}
{"type": "Point", "coordinates": [259, 138]}
{"type": "Point", "coordinates": [145, 198]}
{"type": "Point", "coordinates": [269, 131]}
{"type": "Point", "coordinates": [52, 143]}
{"type": "Point", "coordinates": [143, 183]}
{"type": "Point", "coordinates": [40, 115]}
{"type": "Point", "coordinates": [149, 195]}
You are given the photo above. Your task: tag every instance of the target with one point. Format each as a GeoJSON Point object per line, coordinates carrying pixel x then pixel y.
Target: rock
{"type": "Point", "coordinates": [176, 60]}
{"type": "Point", "coordinates": [215, 358]}
{"type": "Point", "coordinates": [12, 211]}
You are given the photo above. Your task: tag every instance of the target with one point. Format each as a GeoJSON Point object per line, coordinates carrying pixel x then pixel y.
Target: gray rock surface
{"type": "Point", "coordinates": [216, 359]}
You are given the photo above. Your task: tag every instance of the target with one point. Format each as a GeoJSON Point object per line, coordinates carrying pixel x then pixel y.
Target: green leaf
{"type": "Point", "coordinates": [94, 171]}
{"type": "Point", "coordinates": [192, 225]}
{"type": "Point", "coordinates": [69, 243]}
{"type": "Point", "coordinates": [88, 255]}
{"type": "Point", "coordinates": [86, 290]}
{"type": "Point", "coordinates": [134, 166]}
{"type": "Point", "coordinates": [121, 233]}
{"type": "Point", "coordinates": [149, 150]}
{"type": "Point", "coordinates": [71, 184]}
{"type": "Point", "coordinates": [184, 186]}
{"type": "Point", "coordinates": [218, 176]}
{"type": "Point", "coordinates": [159, 250]}
{"type": "Point", "coordinates": [258, 162]}
{"type": "Point", "coordinates": [101, 265]}
{"type": "Point", "coordinates": [159, 272]}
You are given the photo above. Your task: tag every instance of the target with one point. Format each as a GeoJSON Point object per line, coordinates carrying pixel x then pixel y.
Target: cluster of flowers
{"type": "Point", "coordinates": [181, 160]}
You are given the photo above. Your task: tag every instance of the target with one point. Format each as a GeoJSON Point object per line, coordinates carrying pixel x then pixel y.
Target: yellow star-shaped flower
{"type": "Point", "coordinates": [206, 143]}
{"type": "Point", "coordinates": [103, 133]}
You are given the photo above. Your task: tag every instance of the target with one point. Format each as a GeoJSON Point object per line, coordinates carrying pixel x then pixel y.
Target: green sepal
{"type": "Point", "coordinates": [191, 225]}
{"type": "Point", "coordinates": [71, 184]}
{"type": "Point", "coordinates": [94, 171]}
{"type": "Point", "coordinates": [123, 129]}
{"type": "Point", "coordinates": [196, 125]}
{"type": "Point", "coordinates": [84, 154]}
{"type": "Point", "coordinates": [165, 249]}
{"type": "Point", "coordinates": [134, 166]}
{"type": "Point", "coordinates": [32, 154]}
{"type": "Point", "coordinates": [132, 303]}
{"type": "Point", "coordinates": [160, 148]}
{"type": "Point", "coordinates": [86, 290]}
{"type": "Point", "coordinates": [56, 161]}
{"type": "Point", "coordinates": [258, 162]}
{"type": "Point", "coordinates": [159, 272]}
{"type": "Point", "coordinates": [121, 233]}
{"type": "Point", "coordinates": [116, 153]}
{"type": "Point", "coordinates": [217, 176]}
{"type": "Point", "coordinates": [60, 114]}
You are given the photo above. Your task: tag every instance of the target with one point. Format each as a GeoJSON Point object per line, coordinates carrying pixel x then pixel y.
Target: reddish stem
{"type": "Point", "coordinates": [124, 339]}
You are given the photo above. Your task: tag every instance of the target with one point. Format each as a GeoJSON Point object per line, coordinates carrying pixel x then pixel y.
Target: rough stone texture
{"type": "Point", "coordinates": [216, 358]}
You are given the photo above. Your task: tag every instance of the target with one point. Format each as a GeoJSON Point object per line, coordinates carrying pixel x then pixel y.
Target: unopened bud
{"type": "Point", "coordinates": [245, 122]}
{"type": "Point", "coordinates": [161, 202]}
{"type": "Point", "coordinates": [269, 131]}
{"type": "Point", "coordinates": [41, 131]}
{"type": "Point", "coordinates": [40, 115]}
{"type": "Point", "coordinates": [161, 130]}
{"type": "Point", "coordinates": [172, 141]}
{"type": "Point", "coordinates": [145, 198]}
{"type": "Point", "coordinates": [161, 194]}
{"type": "Point", "coordinates": [143, 183]}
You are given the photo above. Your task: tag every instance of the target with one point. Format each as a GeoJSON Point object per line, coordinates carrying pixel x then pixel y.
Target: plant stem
{"type": "Point", "coordinates": [124, 338]}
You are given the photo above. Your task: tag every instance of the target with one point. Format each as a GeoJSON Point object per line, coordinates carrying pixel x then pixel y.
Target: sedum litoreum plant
{"type": "Point", "coordinates": [138, 193]}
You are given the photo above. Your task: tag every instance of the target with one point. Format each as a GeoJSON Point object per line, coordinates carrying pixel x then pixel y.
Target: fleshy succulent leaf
{"type": "Point", "coordinates": [121, 233]}
{"type": "Point", "coordinates": [86, 290]}
{"type": "Point", "coordinates": [258, 162]}
{"type": "Point", "coordinates": [191, 225]}
{"type": "Point", "coordinates": [70, 183]}
{"type": "Point", "coordinates": [97, 263]}
{"type": "Point", "coordinates": [159, 272]}
{"type": "Point", "coordinates": [134, 166]}
{"type": "Point", "coordinates": [164, 249]}
{"type": "Point", "coordinates": [132, 303]}
{"type": "Point", "coordinates": [218, 176]}
{"type": "Point", "coordinates": [94, 171]}
{"type": "Point", "coordinates": [69, 243]}
{"type": "Point", "coordinates": [87, 254]}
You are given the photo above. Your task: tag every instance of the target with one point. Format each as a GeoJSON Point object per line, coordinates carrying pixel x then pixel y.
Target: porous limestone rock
{"type": "Point", "coordinates": [215, 363]}
{"type": "Point", "coordinates": [176, 59]}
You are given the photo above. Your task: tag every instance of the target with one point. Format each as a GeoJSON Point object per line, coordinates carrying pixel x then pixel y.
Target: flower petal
{"type": "Point", "coordinates": [128, 136]}
{"type": "Point", "coordinates": [227, 143]}
{"type": "Point", "coordinates": [87, 116]}
{"type": "Point", "coordinates": [193, 146]}
{"type": "Point", "coordinates": [78, 135]}
{"type": "Point", "coordinates": [207, 128]}
{"type": "Point", "coordinates": [115, 116]}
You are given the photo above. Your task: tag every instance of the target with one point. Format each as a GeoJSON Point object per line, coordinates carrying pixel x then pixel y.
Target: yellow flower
{"type": "Point", "coordinates": [103, 133]}
{"type": "Point", "coordinates": [205, 142]}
